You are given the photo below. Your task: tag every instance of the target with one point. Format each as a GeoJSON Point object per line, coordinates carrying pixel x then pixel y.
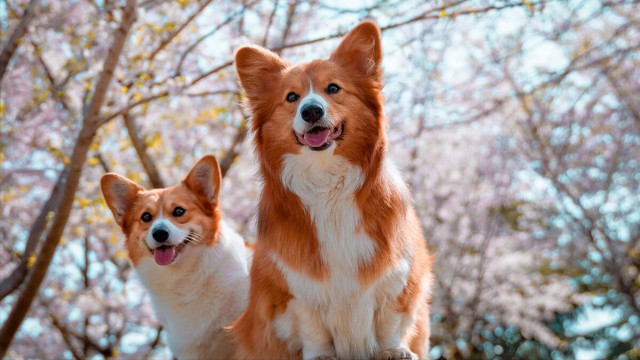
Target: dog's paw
{"type": "Point", "coordinates": [396, 354]}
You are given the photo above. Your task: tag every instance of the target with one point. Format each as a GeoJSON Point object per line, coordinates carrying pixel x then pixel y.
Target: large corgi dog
{"type": "Point", "coordinates": [195, 267]}
{"type": "Point", "coordinates": [340, 268]}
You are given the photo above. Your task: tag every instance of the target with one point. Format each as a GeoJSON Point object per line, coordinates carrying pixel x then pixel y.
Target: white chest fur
{"type": "Point", "coordinates": [197, 296]}
{"type": "Point", "coordinates": [337, 311]}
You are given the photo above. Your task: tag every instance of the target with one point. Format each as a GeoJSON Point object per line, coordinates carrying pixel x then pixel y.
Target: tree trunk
{"type": "Point", "coordinates": [90, 126]}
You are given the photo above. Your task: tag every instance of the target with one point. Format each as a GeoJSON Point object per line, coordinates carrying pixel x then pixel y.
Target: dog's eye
{"type": "Point", "coordinates": [332, 88]}
{"type": "Point", "coordinates": [178, 211]}
{"type": "Point", "coordinates": [291, 97]}
{"type": "Point", "coordinates": [146, 217]}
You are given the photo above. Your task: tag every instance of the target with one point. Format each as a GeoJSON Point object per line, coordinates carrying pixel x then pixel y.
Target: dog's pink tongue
{"type": "Point", "coordinates": [164, 254]}
{"type": "Point", "coordinates": [318, 138]}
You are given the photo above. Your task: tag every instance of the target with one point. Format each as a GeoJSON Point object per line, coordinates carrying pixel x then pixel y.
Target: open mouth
{"type": "Point", "coordinates": [167, 254]}
{"type": "Point", "coordinates": [320, 138]}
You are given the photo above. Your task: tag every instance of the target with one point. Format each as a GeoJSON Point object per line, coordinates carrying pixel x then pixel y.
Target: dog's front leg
{"type": "Point", "coordinates": [391, 328]}
{"type": "Point", "coordinates": [317, 342]}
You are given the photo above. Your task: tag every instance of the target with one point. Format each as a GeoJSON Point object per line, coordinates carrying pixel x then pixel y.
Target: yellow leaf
{"type": "Point", "coordinates": [442, 14]}
{"type": "Point", "coordinates": [120, 254]}
{"type": "Point", "coordinates": [9, 195]}
{"type": "Point", "coordinates": [30, 261]}
{"type": "Point", "coordinates": [78, 231]}
{"type": "Point", "coordinates": [88, 86]}
{"type": "Point", "coordinates": [155, 28]}
{"type": "Point", "coordinates": [169, 26]}
{"type": "Point", "coordinates": [155, 141]}
{"type": "Point", "coordinates": [145, 107]}
{"type": "Point", "coordinates": [93, 161]}
{"type": "Point", "coordinates": [137, 96]}
{"type": "Point", "coordinates": [102, 203]}
{"type": "Point", "coordinates": [63, 240]}
{"type": "Point", "coordinates": [134, 176]}
{"type": "Point", "coordinates": [113, 239]}
{"type": "Point", "coordinates": [177, 159]}
{"type": "Point", "coordinates": [124, 89]}
{"type": "Point", "coordinates": [83, 203]}
{"type": "Point", "coordinates": [1, 109]}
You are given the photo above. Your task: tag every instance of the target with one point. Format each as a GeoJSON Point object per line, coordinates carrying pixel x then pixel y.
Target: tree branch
{"type": "Point", "coordinates": [168, 40]}
{"type": "Point", "coordinates": [14, 41]}
{"type": "Point", "coordinates": [17, 276]}
{"type": "Point", "coordinates": [234, 150]}
{"type": "Point", "coordinates": [85, 137]}
{"type": "Point", "coordinates": [141, 149]}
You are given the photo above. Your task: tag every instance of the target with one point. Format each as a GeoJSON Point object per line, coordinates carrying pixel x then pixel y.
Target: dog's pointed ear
{"type": "Point", "coordinates": [205, 179]}
{"type": "Point", "coordinates": [258, 69]}
{"type": "Point", "coordinates": [120, 194]}
{"type": "Point", "coordinates": [361, 51]}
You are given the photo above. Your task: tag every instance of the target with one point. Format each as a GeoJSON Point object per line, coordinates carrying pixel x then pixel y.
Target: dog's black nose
{"type": "Point", "coordinates": [312, 112]}
{"type": "Point", "coordinates": [160, 235]}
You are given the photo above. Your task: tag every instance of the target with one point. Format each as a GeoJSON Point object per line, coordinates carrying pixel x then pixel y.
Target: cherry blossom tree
{"type": "Point", "coordinates": [516, 124]}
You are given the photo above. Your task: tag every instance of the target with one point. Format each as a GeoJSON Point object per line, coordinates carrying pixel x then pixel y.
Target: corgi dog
{"type": "Point", "coordinates": [194, 266]}
{"type": "Point", "coordinates": [341, 267]}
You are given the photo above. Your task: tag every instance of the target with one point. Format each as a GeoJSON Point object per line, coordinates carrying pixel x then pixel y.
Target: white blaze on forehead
{"type": "Point", "coordinates": [301, 126]}
{"type": "Point", "coordinates": [176, 234]}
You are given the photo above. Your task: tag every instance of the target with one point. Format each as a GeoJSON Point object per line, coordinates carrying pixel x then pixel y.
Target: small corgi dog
{"type": "Point", "coordinates": [195, 267]}
{"type": "Point", "coordinates": [341, 267]}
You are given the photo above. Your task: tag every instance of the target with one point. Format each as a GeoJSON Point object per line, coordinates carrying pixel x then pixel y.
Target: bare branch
{"type": "Point", "coordinates": [265, 38]}
{"type": "Point", "coordinates": [211, 32]}
{"type": "Point", "coordinates": [291, 11]}
{"type": "Point", "coordinates": [14, 41]}
{"type": "Point", "coordinates": [141, 149]}
{"type": "Point", "coordinates": [169, 38]}
{"type": "Point", "coordinates": [234, 150]}
{"type": "Point", "coordinates": [66, 337]}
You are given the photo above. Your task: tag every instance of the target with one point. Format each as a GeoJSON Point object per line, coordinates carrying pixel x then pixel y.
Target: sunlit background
{"type": "Point", "coordinates": [516, 124]}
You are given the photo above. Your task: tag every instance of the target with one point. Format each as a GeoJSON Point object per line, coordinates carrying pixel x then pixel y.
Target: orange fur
{"type": "Point", "coordinates": [194, 266]}
{"type": "Point", "coordinates": [135, 200]}
{"type": "Point", "coordinates": [285, 229]}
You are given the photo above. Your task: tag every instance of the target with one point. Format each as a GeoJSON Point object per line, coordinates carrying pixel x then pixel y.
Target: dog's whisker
{"type": "Point", "coordinates": [193, 238]}
{"type": "Point", "coordinates": [188, 239]}
{"type": "Point", "coordinates": [195, 234]}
